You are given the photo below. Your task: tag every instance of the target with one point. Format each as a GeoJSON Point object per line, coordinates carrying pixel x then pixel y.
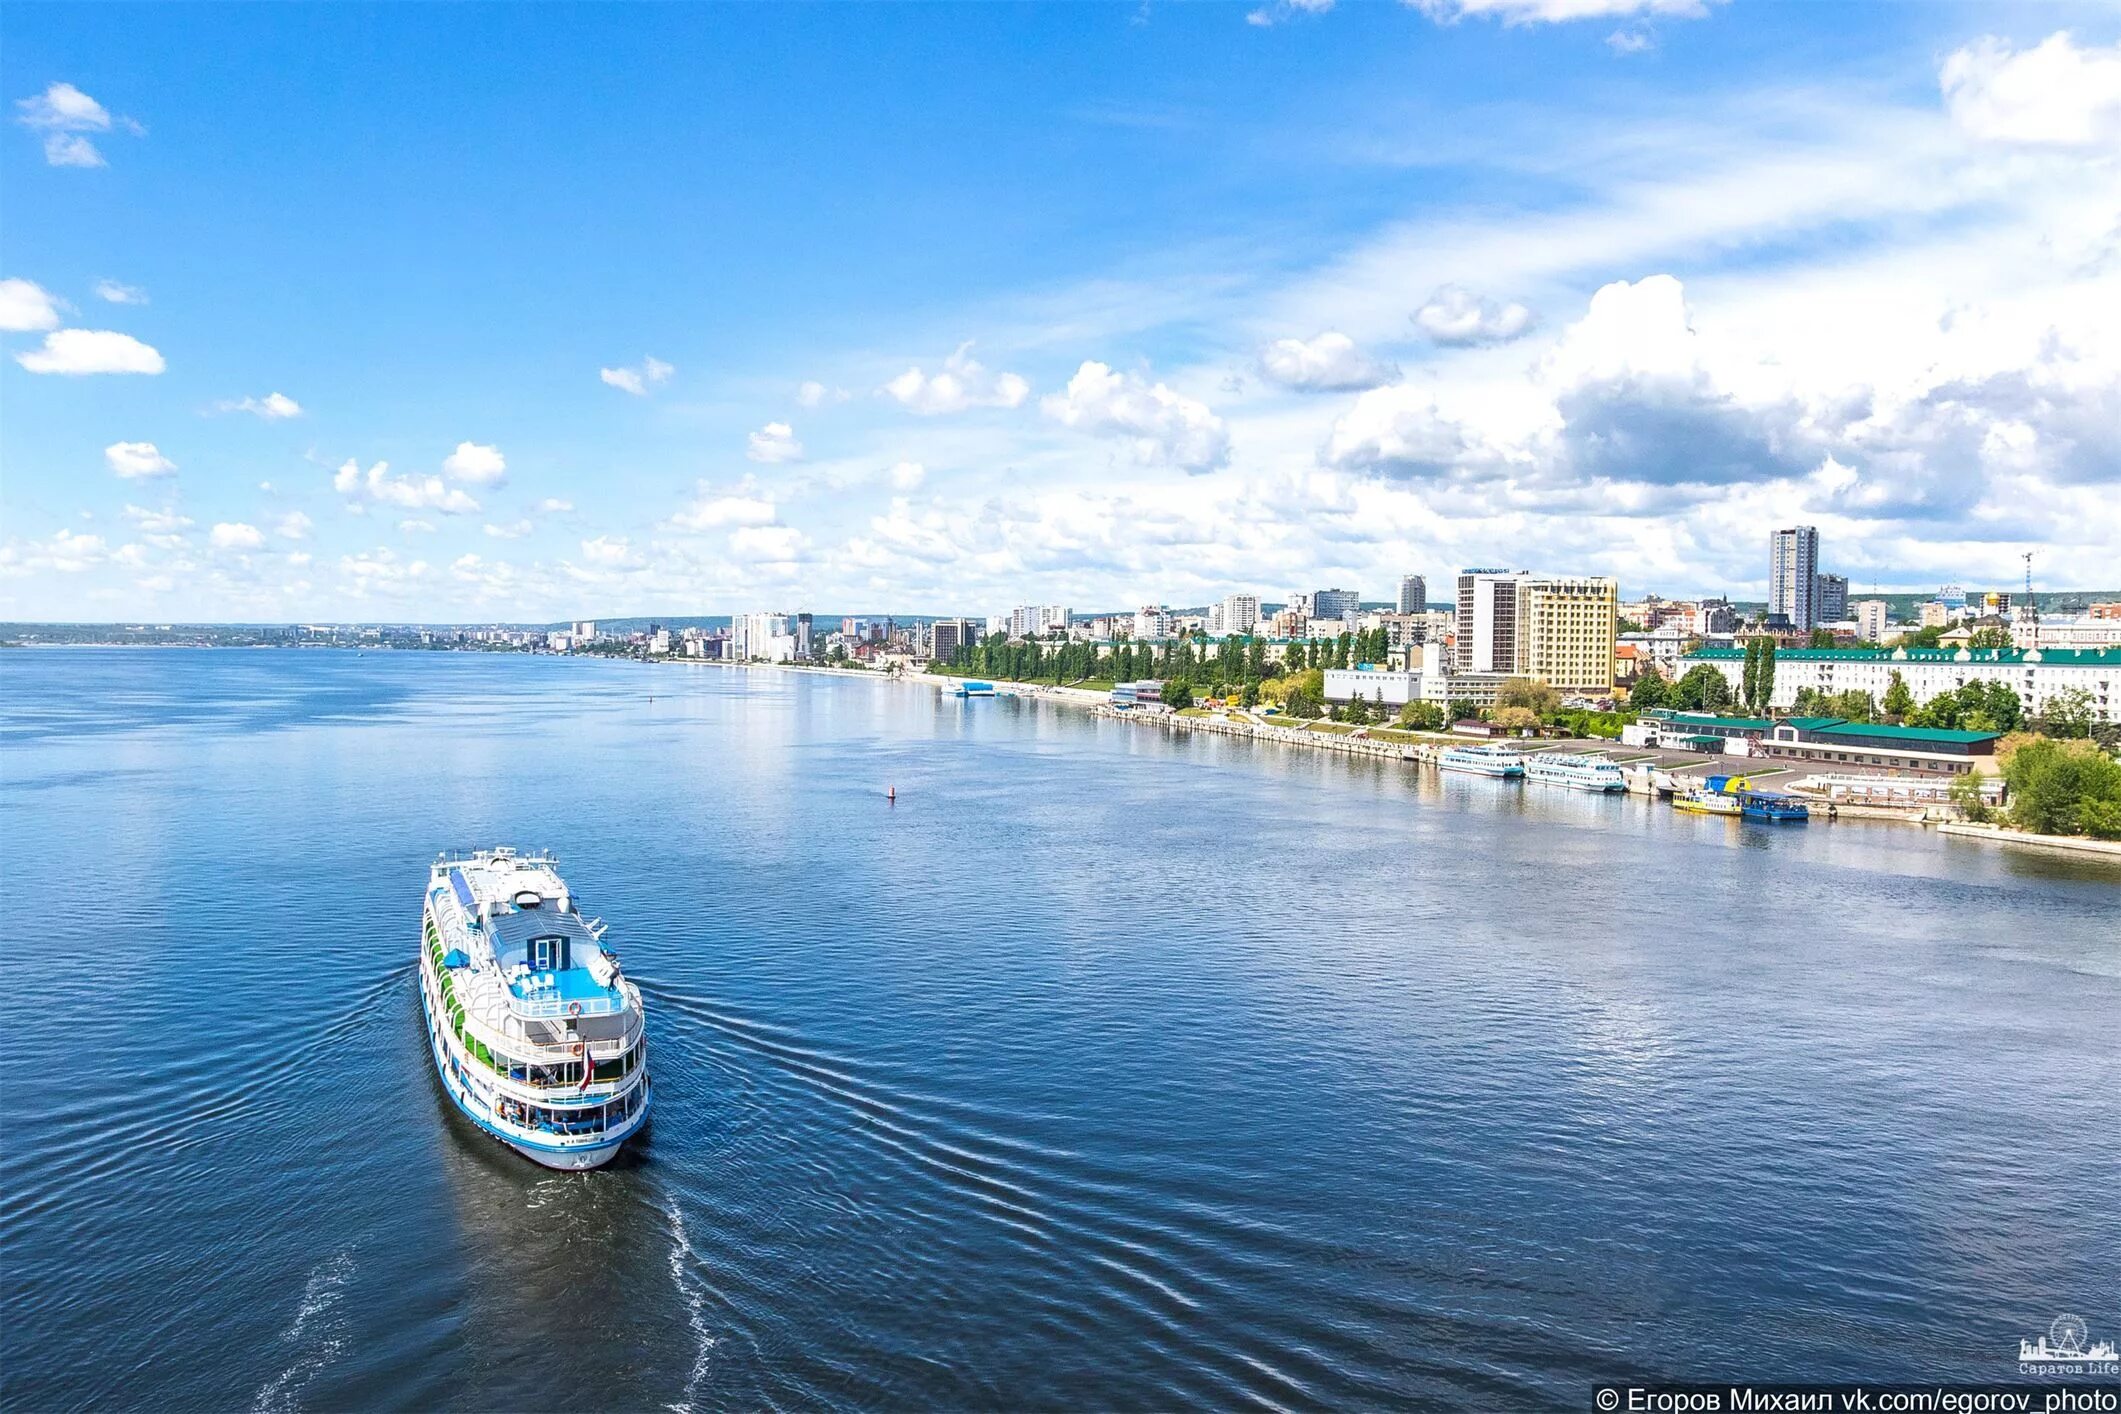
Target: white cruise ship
{"type": "Point", "coordinates": [535, 1034]}
{"type": "Point", "coordinates": [1576, 772]}
{"type": "Point", "coordinates": [1485, 759]}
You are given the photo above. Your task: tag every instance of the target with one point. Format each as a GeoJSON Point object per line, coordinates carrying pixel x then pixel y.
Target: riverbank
{"type": "Point", "coordinates": [2001, 834]}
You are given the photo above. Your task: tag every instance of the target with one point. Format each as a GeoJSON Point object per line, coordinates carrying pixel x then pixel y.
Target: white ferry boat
{"type": "Point", "coordinates": [1484, 759]}
{"type": "Point", "coordinates": [536, 1035]}
{"type": "Point", "coordinates": [1576, 772]}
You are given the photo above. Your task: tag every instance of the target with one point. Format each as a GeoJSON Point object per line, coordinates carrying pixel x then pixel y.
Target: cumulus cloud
{"type": "Point", "coordinates": [273, 407]}
{"type": "Point", "coordinates": [134, 460]}
{"type": "Point", "coordinates": [26, 306]}
{"type": "Point", "coordinates": [416, 527]}
{"type": "Point", "coordinates": [553, 505]}
{"type": "Point", "coordinates": [767, 544]}
{"type": "Point", "coordinates": [812, 394]}
{"type": "Point", "coordinates": [82, 351]}
{"type": "Point", "coordinates": [163, 529]}
{"type": "Point", "coordinates": [612, 552]}
{"type": "Point", "coordinates": [2054, 94]}
{"type": "Point", "coordinates": [961, 383]}
{"type": "Point", "coordinates": [479, 465]}
{"type": "Point", "coordinates": [1162, 427]}
{"type": "Point", "coordinates": [515, 530]}
{"type": "Point", "coordinates": [1455, 315]}
{"type": "Point", "coordinates": [65, 116]}
{"type": "Point", "coordinates": [906, 476]}
{"type": "Point", "coordinates": [1398, 432]}
{"type": "Point", "coordinates": [711, 510]}
{"type": "Point", "coordinates": [112, 292]}
{"type": "Point", "coordinates": [66, 552]}
{"type": "Point", "coordinates": [381, 572]}
{"type": "Point", "coordinates": [650, 373]}
{"type": "Point", "coordinates": [775, 442]}
{"type": "Point", "coordinates": [412, 493]}
{"type": "Point", "coordinates": [1638, 403]}
{"type": "Point", "coordinates": [294, 526]}
{"type": "Point", "coordinates": [235, 535]}
{"type": "Point", "coordinates": [1329, 363]}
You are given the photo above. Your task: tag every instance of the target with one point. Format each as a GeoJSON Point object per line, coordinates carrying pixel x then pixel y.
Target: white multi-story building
{"type": "Point", "coordinates": [1793, 575]}
{"type": "Point", "coordinates": [1872, 617]}
{"type": "Point", "coordinates": [1152, 622]}
{"type": "Point", "coordinates": [1036, 620]}
{"type": "Point", "coordinates": [1432, 679]}
{"type": "Point", "coordinates": [1240, 613]}
{"type": "Point", "coordinates": [2036, 674]}
{"type": "Point", "coordinates": [776, 638]}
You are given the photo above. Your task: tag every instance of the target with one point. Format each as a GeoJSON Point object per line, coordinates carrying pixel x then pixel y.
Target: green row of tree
{"type": "Point", "coordinates": [1219, 669]}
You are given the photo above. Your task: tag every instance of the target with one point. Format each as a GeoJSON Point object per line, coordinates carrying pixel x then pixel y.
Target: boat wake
{"type": "Point", "coordinates": [315, 1338]}
{"type": "Point", "coordinates": [694, 1295]}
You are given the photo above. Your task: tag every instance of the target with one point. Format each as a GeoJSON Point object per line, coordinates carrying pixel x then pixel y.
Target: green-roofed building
{"type": "Point", "coordinates": [1829, 743]}
{"type": "Point", "coordinates": [2037, 675]}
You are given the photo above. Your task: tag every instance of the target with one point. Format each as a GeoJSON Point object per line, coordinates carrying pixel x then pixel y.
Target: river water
{"type": "Point", "coordinates": [1105, 1068]}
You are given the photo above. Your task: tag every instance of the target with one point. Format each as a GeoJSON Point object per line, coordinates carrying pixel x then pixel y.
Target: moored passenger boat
{"type": "Point", "coordinates": [1699, 801]}
{"type": "Point", "coordinates": [1484, 759]}
{"type": "Point", "coordinates": [536, 1035]}
{"type": "Point", "coordinates": [1593, 773]}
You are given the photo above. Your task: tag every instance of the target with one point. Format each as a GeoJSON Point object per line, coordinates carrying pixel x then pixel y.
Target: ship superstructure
{"type": "Point", "coordinates": [536, 1034]}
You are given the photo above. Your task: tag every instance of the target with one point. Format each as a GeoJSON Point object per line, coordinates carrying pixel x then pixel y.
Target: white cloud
{"type": "Point", "coordinates": [553, 505]}
{"type": "Point", "coordinates": [64, 114]}
{"type": "Point", "coordinates": [479, 465]}
{"type": "Point", "coordinates": [2053, 94]}
{"type": "Point", "coordinates": [80, 351]}
{"type": "Point", "coordinates": [1163, 427]}
{"type": "Point", "coordinates": [112, 292]}
{"type": "Point", "coordinates": [1329, 363]}
{"type": "Point", "coordinates": [64, 553]}
{"type": "Point", "coordinates": [1398, 432]}
{"type": "Point", "coordinates": [26, 306]}
{"type": "Point", "coordinates": [294, 526]}
{"type": "Point", "coordinates": [236, 536]}
{"type": "Point", "coordinates": [1455, 315]}
{"type": "Point", "coordinates": [775, 442]}
{"type": "Point", "coordinates": [416, 527]}
{"type": "Point", "coordinates": [63, 108]}
{"type": "Point", "coordinates": [514, 531]}
{"type": "Point", "coordinates": [273, 407]}
{"type": "Point", "coordinates": [1521, 12]}
{"type": "Point", "coordinates": [1630, 41]}
{"type": "Point", "coordinates": [612, 552]}
{"type": "Point", "coordinates": [961, 383]}
{"type": "Point", "coordinates": [71, 150]}
{"type": "Point", "coordinates": [813, 394]}
{"type": "Point", "coordinates": [652, 373]}
{"type": "Point", "coordinates": [907, 476]}
{"type": "Point", "coordinates": [133, 460]}
{"type": "Point", "coordinates": [412, 493]}
{"type": "Point", "coordinates": [713, 511]}
{"type": "Point", "coordinates": [767, 544]}
{"type": "Point", "coordinates": [381, 572]}
{"type": "Point", "coordinates": [163, 529]}
{"type": "Point", "coordinates": [1276, 11]}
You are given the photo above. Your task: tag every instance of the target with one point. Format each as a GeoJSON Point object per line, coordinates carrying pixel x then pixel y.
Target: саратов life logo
{"type": "Point", "coordinates": [2067, 1349]}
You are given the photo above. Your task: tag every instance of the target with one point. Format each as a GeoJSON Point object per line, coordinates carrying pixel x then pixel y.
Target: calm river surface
{"type": "Point", "coordinates": [1105, 1069]}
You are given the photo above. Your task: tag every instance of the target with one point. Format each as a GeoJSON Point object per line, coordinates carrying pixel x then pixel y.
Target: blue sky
{"type": "Point", "coordinates": [942, 308]}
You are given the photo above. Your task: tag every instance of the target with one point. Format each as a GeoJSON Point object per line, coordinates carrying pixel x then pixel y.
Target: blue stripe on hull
{"type": "Point", "coordinates": [532, 1149]}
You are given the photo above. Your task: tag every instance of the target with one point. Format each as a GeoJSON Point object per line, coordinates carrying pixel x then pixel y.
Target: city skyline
{"type": "Point", "coordinates": [778, 316]}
